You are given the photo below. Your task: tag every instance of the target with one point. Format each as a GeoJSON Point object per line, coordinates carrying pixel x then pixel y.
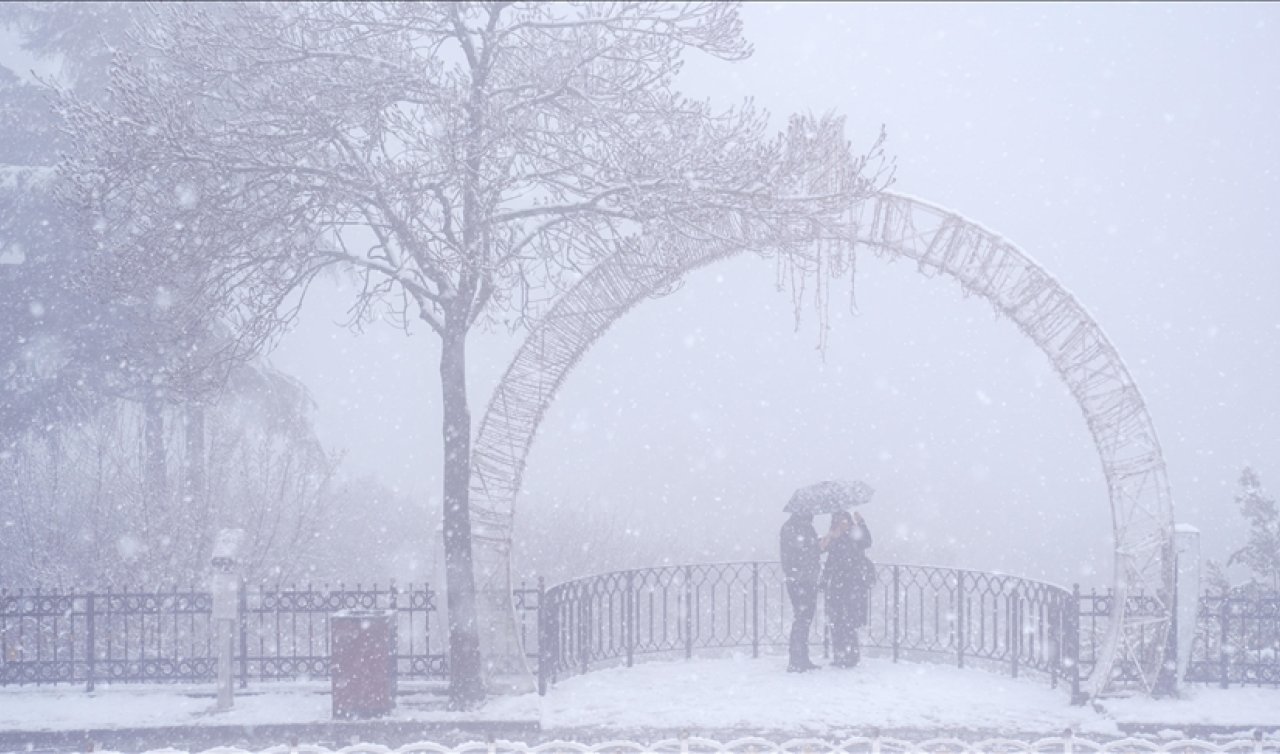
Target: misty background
{"type": "Point", "coordinates": [1131, 150]}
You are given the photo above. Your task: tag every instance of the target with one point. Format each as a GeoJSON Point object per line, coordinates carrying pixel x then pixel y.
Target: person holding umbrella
{"type": "Point", "coordinates": [847, 580]}
{"type": "Point", "coordinates": [801, 567]}
{"type": "Point", "coordinates": [801, 552]}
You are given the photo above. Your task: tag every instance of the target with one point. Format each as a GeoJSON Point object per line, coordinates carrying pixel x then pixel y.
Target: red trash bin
{"type": "Point", "coordinates": [363, 664]}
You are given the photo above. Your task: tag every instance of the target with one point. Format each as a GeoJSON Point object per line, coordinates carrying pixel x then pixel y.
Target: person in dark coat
{"type": "Point", "coordinates": [847, 579]}
{"type": "Point", "coordinates": [801, 569]}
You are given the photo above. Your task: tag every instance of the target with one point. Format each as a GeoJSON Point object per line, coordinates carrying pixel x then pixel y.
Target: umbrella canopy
{"type": "Point", "coordinates": [829, 497]}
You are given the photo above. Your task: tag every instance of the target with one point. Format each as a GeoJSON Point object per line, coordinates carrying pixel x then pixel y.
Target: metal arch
{"type": "Point", "coordinates": [938, 241]}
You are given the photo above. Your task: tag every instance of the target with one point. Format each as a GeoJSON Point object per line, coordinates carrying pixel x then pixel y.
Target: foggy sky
{"type": "Point", "coordinates": [1130, 149]}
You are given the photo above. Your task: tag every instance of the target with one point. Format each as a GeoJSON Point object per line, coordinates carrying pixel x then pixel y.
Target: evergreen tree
{"type": "Point", "coordinates": [1261, 552]}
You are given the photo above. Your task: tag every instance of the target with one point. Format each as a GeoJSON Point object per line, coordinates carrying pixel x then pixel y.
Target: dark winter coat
{"type": "Point", "coordinates": [801, 555]}
{"type": "Point", "coordinates": [848, 576]}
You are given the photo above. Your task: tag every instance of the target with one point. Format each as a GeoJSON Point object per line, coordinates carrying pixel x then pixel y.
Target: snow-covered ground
{"type": "Point", "coordinates": [744, 694]}
{"type": "Point", "coordinates": [726, 694]}
{"type": "Point", "coordinates": [125, 707]}
{"type": "Point", "coordinates": [739, 693]}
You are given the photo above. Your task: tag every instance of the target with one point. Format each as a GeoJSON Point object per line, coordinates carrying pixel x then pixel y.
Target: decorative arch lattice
{"type": "Point", "coordinates": [939, 241]}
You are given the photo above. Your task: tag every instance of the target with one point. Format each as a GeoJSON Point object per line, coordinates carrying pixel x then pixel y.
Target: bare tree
{"type": "Point", "coordinates": [108, 394]}
{"type": "Point", "coordinates": [79, 511]}
{"type": "Point", "coordinates": [465, 160]}
{"type": "Point", "coordinates": [70, 349]}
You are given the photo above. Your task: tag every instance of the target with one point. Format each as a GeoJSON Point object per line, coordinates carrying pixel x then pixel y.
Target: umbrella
{"type": "Point", "coordinates": [829, 497]}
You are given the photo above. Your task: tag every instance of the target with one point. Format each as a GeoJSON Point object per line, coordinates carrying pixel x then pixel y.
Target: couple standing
{"type": "Point", "coordinates": [846, 579]}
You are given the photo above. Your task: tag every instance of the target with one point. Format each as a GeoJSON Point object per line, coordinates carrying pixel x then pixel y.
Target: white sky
{"type": "Point", "coordinates": [1131, 150]}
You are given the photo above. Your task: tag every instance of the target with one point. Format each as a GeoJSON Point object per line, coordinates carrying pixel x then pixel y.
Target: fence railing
{"type": "Point", "coordinates": [134, 636]}
{"type": "Point", "coordinates": [1095, 617]}
{"type": "Point", "coordinates": [966, 616]}
{"type": "Point", "coordinates": [916, 612]}
{"type": "Point", "coordinates": [1236, 638]}
{"type": "Point", "coordinates": [1237, 641]}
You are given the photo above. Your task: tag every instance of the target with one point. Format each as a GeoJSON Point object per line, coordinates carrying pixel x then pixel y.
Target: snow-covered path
{"type": "Point", "coordinates": [739, 693]}
{"type": "Point", "coordinates": [725, 694]}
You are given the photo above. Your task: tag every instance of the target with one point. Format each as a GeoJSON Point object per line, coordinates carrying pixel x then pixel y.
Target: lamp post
{"type": "Point", "coordinates": [224, 585]}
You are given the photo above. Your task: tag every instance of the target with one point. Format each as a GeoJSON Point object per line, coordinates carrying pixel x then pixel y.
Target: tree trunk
{"type": "Point", "coordinates": [57, 531]}
{"type": "Point", "coordinates": [154, 439]}
{"type": "Point", "coordinates": [195, 511]}
{"type": "Point", "coordinates": [153, 468]}
{"type": "Point", "coordinates": [466, 687]}
{"type": "Point", "coordinates": [156, 564]}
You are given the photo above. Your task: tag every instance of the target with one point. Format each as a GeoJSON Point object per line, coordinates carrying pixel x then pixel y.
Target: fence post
{"type": "Point", "coordinates": [1053, 650]}
{"type": "Point", "coordinates": [629, 616]}
{"type": "Point", "coordinates": [1167, 679]}
{"type": "Point", "coordinates": [393, 604]}
{"type": "Point", "coordinates": [544, 641]}
{"type": "Point", "coordinates": [244, 636]}
{"type": "Point", "coordinates": [688, 612]}
{"type": "Point", "coordinates": [520, 598]}
{"type": "Point", "coordinates": [1224, 617]}
{"type": "Point", "coordinates": [584, 630]}
{"type": "Point", "coordinates": [91, 644]}
{"type": "Point", "coordinates": [896, 593]}
{"type": "Point", "coordinates": [1015, 628]}
{"type": "Point", "coordinates": [1071, 634]}
{"type": "Point", "coordinates": [755, 609]}
{"type": "Point", "coordinates": [23, 645]}
{"type": "Point", "coordinates": [959, 618]}
{"type": "Point", "coordinates": [107, 611]}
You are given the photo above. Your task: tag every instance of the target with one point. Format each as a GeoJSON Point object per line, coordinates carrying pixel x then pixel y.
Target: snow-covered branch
{"type": "Point", "coordinates": [465, 160]}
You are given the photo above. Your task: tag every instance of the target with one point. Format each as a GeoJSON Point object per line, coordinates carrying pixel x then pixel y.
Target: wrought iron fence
{"type": "Point", "coordinates": [1237, 641]}
{"type": "Point", "coordinates": [965, 616]}
{"type": "Point", "coordinates": [1236, 638]}
{"type": "Point", "coordinates": [143, 636]}
{"type": "Point", "coordinates": [1095, 617]}
{"type": "Point", "coordinates": [527, 602]}
{"type": "Point", "coordinates": [968, 616]}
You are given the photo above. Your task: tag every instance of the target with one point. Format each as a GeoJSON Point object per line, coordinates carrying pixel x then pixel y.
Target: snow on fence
{"type": "Point", "coordinates": [127, 636]}
{"type": "Point", "coordinates": [1066, 744]}
{"type": "Point", "coordinates": [916, 612]}
{"type": "Point", "coordinates": [1236, 642]}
